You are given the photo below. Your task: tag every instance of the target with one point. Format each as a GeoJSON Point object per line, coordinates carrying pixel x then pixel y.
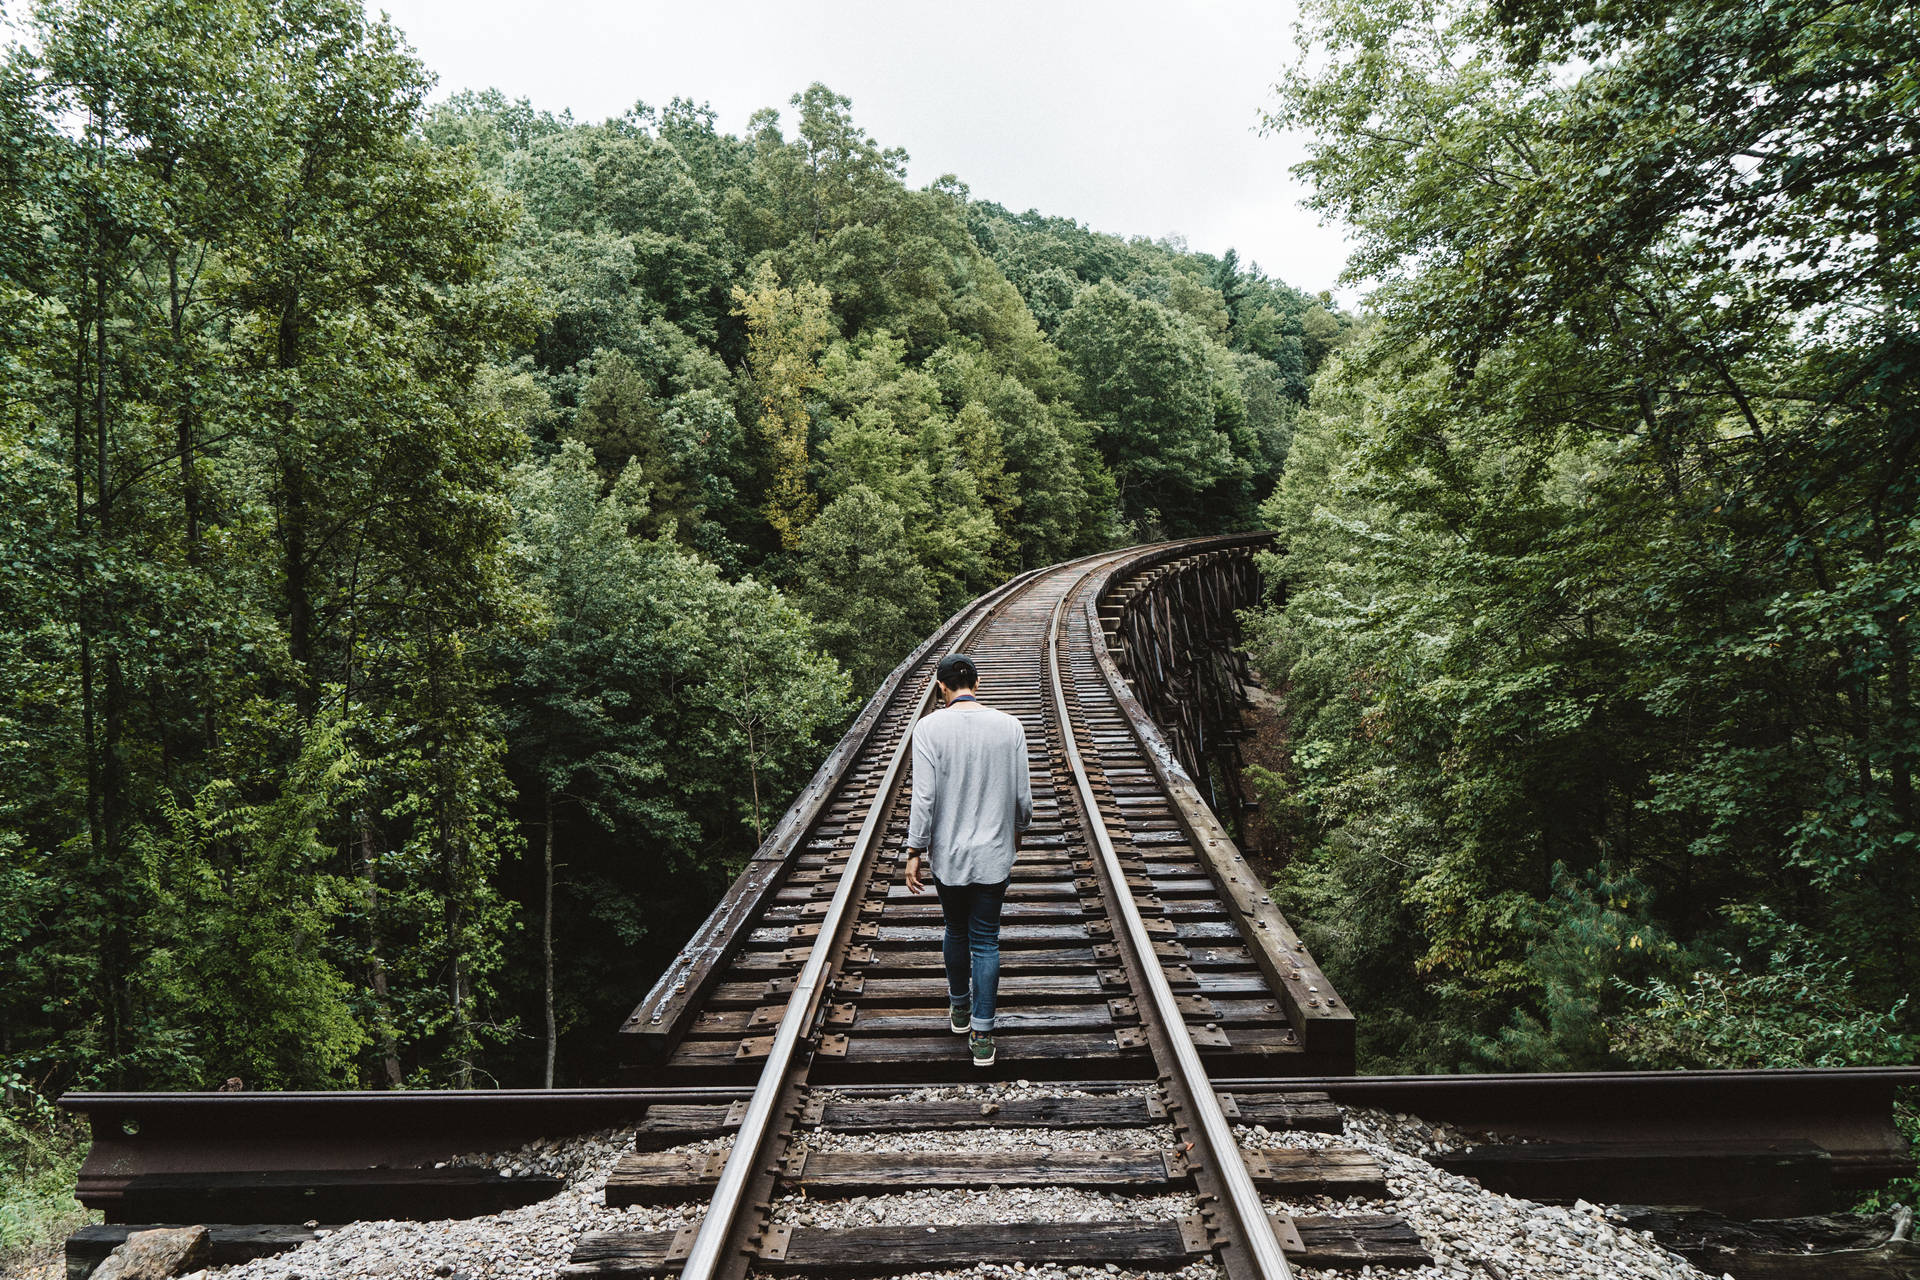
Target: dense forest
{"type": "Point", "coordinates": [1603, 540]}
{"type": "Point", "coordinates": [436, 541]}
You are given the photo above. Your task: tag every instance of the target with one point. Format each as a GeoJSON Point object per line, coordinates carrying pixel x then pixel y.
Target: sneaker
{"type": "Point", "coordinates": [981, 1043]}
{"type": "Point", "coordinates": [962, 1015]}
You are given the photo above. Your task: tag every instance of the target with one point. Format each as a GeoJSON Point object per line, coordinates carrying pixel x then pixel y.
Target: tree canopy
{"type": "Point", "coordinates": [436, 541]}
{"type": "Point", "coordinates": [1600, 542]}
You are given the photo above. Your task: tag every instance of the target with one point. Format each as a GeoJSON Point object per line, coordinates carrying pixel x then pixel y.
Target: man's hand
{"type": "Point", "coordinates": [914, 883]}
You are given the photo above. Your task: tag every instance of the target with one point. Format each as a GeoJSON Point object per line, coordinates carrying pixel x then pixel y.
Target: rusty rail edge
{"type": "Point", "coordinates": [1848, 1111]}
{"type": "Point", "coordinates": [347, 1129]}
{"type": "Point", "coordinates": [1321, 1019]}
{"type": "Point", "coordinates": [148, 1144]}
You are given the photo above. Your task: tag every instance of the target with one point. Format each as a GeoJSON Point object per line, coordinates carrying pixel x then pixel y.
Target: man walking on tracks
{"type": "Point", "coordinates": [972, 797]}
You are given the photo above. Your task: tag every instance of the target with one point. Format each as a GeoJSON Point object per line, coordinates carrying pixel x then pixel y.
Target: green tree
{"type": "Point", "coordinates": [787, 327]}
{"type": "Point", "coordinates": [859, 576]}
{"type": "Point", "coordinates": [1146, 381]}
{"type": "Point", "coordinates": [1599, 543]}
{"type": "Point", "coordinates": [643, 683]}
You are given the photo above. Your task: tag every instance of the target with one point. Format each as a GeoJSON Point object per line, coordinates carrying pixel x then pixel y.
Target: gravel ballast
{"type": "Point", "coordinates": [1473, 1234]}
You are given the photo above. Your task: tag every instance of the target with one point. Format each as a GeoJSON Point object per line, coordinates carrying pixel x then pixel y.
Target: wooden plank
{"type": "Point", "coordinates": [1144, 1245]}
{"type": "Point", "coordinates": [1149, 1245]}
{"type": "Point", "coordinates": [933, 990]}
{"type": "Point", "coordinates": [892, 963]}
{"type": "Point", "coordinates": [1007, 1020]}
{"type": "Point", "coordinates": [1326, 1171]}
{"type": "Point", "coordinates": [1364, 1240]}
{"type": "Point", "coordinates": [668, 1125]}
{"type": "Point", "coordinates": [1071, 1053]}
{"type": "Point", "coordinates": [926, 911]}
{"type": "Point", "coordinates": [658, 1177]}
{"type": "Point", "coordinates": [1312, 1111]}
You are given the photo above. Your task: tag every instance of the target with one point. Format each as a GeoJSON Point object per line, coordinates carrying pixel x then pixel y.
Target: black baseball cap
{"type": "Point", "coordinates": [957, 672]}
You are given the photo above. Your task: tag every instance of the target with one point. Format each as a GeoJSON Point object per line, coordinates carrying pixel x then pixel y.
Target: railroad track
{"type": "Point", "coordinates": [1127, 957]}
{"type": "Point", "coordinates": [1165, 1026]}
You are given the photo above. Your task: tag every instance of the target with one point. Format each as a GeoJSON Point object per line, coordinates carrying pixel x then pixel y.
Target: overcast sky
{"type": "Point", "coordinates": [1132, 117]}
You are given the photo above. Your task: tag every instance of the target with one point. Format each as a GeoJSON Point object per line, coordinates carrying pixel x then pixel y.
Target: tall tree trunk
{"type": "Point", "coordinates": [546, 945]}
{"type": "Point", "coordinates": [83, 613]}
{"type": "Point", "coordinates": [117, 955]}
{"type": "Point", "coordinates": [100, 863]}
{"type": "Point", "coordinates": [376, 967]}
{"type": "Point", "coordinates": [297, 572]}
{"type": "Point", "coordinates": [200, 696]}
{"type": "Point", "coordinates": [185, 417]}
{"type": "Point", "coordinates": [463, 1033]}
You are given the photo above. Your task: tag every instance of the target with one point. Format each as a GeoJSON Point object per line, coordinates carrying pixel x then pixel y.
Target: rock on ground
{"type": "Point", "coordinates": [157, 1254]}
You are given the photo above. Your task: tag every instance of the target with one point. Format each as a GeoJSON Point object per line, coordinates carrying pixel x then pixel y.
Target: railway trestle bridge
{"type": "Point", "coordinates": [1153, 996]}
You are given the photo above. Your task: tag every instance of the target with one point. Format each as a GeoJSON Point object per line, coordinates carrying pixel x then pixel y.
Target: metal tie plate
{"type": "Point", "coordinates": [774, 1241]}
{"type": "Point", "coordinates": [682, 1242]}
{"type": "Point", "coordinates": [1210, 1036]}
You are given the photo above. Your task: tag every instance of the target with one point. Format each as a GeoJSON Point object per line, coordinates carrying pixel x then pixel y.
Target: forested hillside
{"type": "Point", "coordinates": [1603, 544]}
{"type": "Point", "coordinates": [431, 534]}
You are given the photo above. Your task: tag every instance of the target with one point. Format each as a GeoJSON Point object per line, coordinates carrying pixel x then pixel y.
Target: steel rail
{"type": "Point", "coordinates": [717, 1227]}
{"type": "Point", "coordinates": [1242, 1197]}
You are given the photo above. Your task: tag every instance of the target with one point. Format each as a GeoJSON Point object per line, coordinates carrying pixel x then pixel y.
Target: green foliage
{"type": "Point", "coordinates": [646, 680]}
{"type": "Point", "coordinates": [1600, 541]}
{"type": "Point", "coordinates": [1789, 1005]}
{"type": "Point", "coordinates": [1586, 945]}
{"type": "Point", "coordinates": [237, 973]}
{"type": "Point", "coordinates": [657, 719]}
{"type": "Point", "coordinates": [398, 503]}
{"type": "Point", "coordinates": [40, 1153]}
{"type": "Point", "coordinates": [860, 577]}
{"type": "Point", "coordinates": [1147, 381]}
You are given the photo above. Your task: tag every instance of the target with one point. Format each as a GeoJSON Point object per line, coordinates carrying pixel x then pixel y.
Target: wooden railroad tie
{"type": "Point", "coordinates": [1379, 1240]}
{"type": "Point", "coordinates": [660, 1177]}
{"type": "Point", "coordinates": [668, 1125]}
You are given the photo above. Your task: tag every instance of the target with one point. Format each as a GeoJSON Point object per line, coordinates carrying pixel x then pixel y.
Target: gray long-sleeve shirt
{"type": "Point", "coordinates": [972, 793]}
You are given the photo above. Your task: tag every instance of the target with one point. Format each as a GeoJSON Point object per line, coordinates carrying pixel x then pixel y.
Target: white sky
{"type": "Point", "coordinates": [1132, 117]}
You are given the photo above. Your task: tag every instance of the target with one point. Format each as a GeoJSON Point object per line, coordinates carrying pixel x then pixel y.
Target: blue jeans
{"type": "Point", "coordinates": [971, 947]}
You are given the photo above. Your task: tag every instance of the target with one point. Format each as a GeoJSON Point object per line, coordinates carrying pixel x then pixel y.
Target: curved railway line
{"type": "Point", "coordinates": [1152, 994]}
